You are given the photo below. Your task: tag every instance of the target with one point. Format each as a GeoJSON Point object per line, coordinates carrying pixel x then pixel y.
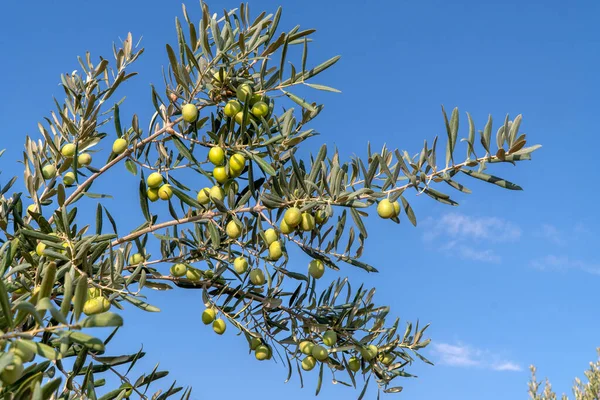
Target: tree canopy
{"type": "Point", "coordinates": [224, 198]}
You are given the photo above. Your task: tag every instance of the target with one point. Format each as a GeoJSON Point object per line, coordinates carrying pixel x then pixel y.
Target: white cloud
{"type": "Point", "coordinates": [456, 356]}
{"type": "Point", "coordinates": [564, 263]}
{"type": "Point", "coordinates": [479, 255]}
{"type": "Point", "coordinates": [459, 226]}
{"type": "Point", "coordinates": [464, 356]}
{"type": "Point", "coordinates": [551, 233]}
{"type": "Point", "coordinates": [462, 235]}
{"type": "Point", "coordinates": [507, 366]}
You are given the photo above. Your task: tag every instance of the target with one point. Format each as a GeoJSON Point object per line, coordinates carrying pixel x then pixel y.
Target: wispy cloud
{"type": "Point", "coordinates": [552, 234]}
{"type": "Point", "coordinates": [564, 263]}
{"type": "Point", "coordinates": [461, 355]}
{"type": "Point", "coordinates": [471, 253]}
{"type": "Point", "coordinates": [463, 234]}
{"type": "Point", "coordinates": [507, 366]}
{"type": "Point", "coordinates": [461, 226]}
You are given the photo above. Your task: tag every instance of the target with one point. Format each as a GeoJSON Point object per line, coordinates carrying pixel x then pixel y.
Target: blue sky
{"type": "Point", "coordinates": [506, 279]}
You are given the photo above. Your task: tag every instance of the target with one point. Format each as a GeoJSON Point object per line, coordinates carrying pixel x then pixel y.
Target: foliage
{"type": "Point", "coordinates": [589, 390]}
{"type": "Point", "coordinates": [228, 237]}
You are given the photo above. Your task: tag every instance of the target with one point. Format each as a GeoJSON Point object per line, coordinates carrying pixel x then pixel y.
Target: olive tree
{"type": "Point", "coordinates": [582, 390]}
{"type": "Point", "coordinates": [224, 198]}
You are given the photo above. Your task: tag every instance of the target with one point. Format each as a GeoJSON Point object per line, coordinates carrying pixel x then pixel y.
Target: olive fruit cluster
{"type": "Point", "coordinates": [95, 303]}
{"type": "Point", "coordinates": [294, 219]}
{"type": "Point", "coordinates": [22, 352]}
{"type": "Point", "coordinates": [262, 351]}
{"type": "Point", "coordinates": [387, 209]}
{"type": "Point", "coordinates": [209, 316]}
{"type": "Point", "coordinates": [224, 172]}
{"type": "Point", "coordinates": [273, 244]}
{"type": "Point", "coordinates": [157, 189]}
{"type": "Point", "coordinates": [258, 106]}
{"type": "Point", "coordinates": [68, 152]}
{"type": "Point", "coordinates": [192, 274]}
{"type": "Point", "coordinates": [316, 352]}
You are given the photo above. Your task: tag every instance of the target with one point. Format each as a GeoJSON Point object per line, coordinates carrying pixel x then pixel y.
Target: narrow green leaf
{"type": "Point", "coordinates": [323, 87]}
{"type": "Point", "coordinates": [264, 165]}
{"type": "Point", "coordinates": [301, 102]}
{"type": "Point", "coordinates": [5, 304]}
{"type": "Point", "coordinates": [102, 320]}
{"type": "Point", "coordinates": [492, 179]}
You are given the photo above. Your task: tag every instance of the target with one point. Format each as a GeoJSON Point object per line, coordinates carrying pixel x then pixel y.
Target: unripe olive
{"type": "Point", "coordinates": [306, 347]}
{"type": "Point", "coordinates": [68, 150]}
{"type": "Point", "coordinates": [203, 196]}
{"type": "Point", "coordinates": [92, 306]}
{"type": "Point", "coordinates": [49, 171]}
{"type": "Point", "coordinates": [396, 208]}
{"type": "Point", "coordinates": [154, 180]}
{"type": "Point", "coordinates": [354, 364]}
{"type": "Point", "coordinates": [233, 229]}
{"type": "Point", "coordinates": [104, 303]}
{"type": "Point", "coordinates": [316, 269]}
{"type": "Point", "coordinates": [275, 251]}
{"type": "Point", "coordinates": [189, 113]}
{"type": "Point", "coordinates": [308, 222]}
{"type": "Point", "coordinates": [255, 342]}
{"type": "Point", "coordinates": [216, 155]}
{"type": "Point", "coordinates": [270, 236]}
{"type": "Point", "coordinates": [220, 76]}
{"type": "Point", "coordinates": [84, 159]}
{"type": "Point", "coordinates": [244, 92]}
{"type": "Point", "coordinates": [237, 162]}
{"type": "Point", "coordinates": [39, 249]}
{"type": "Point", "coordinates": [208, 316]}
{"type": "Point", "coordinates": [12, 372]}
{"type": "Point", "coordinates": [152, 194]}
{"type": "Point", "coordinates": [93, 292]}
{"type": "Point", "coordinates": [257, 277]}
{"type": "Point", "coordinates": [23, 351]}
{"type": "Point", "coordinates": [232, 108]}
{"type": "Point", "coordinates": [309, 363]}
{"type": "Point", "coordinates": [193, 274]}
{"type": "Point", "coordinates": [292, 217]}
{"type": "Point", "coordinates": [260, 109]}
{"type": "Point", "coordinates": [258, 97]}
{"type": "Point", "coordinates": [329, 338]}
{"type": "Point", "coordinates": [219, 326]}
{"type": "Point", "coordinates": [262, 352]}
{"type": "Point", "coordinates": [209, 274]}
{"type": "Point", "coordinates": [321, 217]}
{"type": "Point", "coordinates": [239, 118]}
{"type": "Point", "coordinates": [385, 209]}
{"type": "Point", "coordinates": [165, 192]}
{"type": "Point", "coordinates": [386, 358]}
{"type": "Point", "coordinates": [178, 270]}
{"type": "Point", "coordinates": [69, 178]}
{"type": "Point", "coordinates": [220, 174]}
{"type": "Point", "coordinates": [217, 192]}
{"type": "Point", "coordinates": [285, 228]}
{"type": "Point", "coordinates": [136, 258]}
{"type": "Point", "coordinates": [369, 352]}
{"type": "Point", "coordinates": [240, 265]}
{"type": "Point", "coordinates": [319, 352]}
{"type": "Point", "coordinates": [119, 146]}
